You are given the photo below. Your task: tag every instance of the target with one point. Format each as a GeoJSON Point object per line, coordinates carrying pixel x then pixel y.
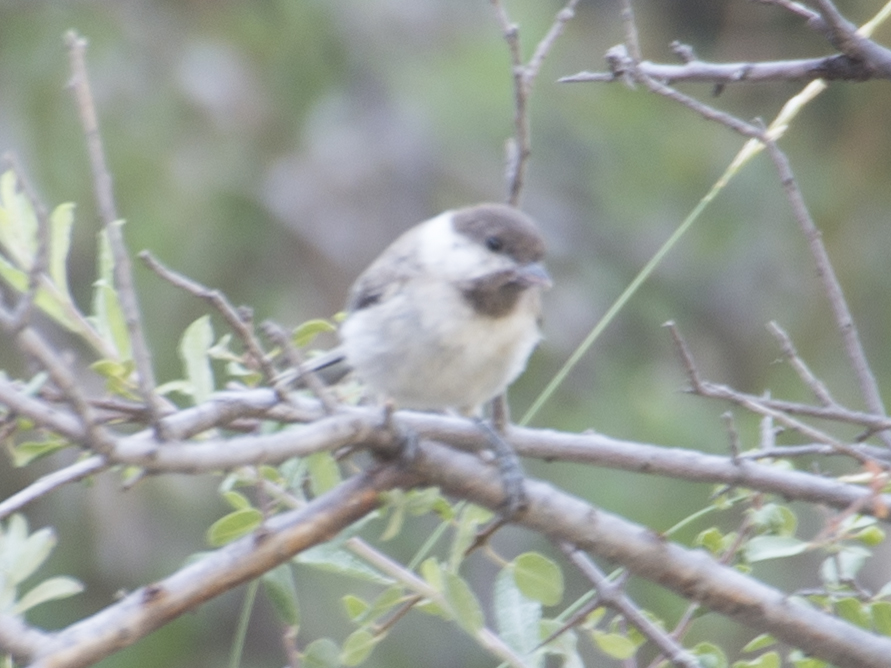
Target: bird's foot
{"type": "Point", "coordinates": [407, 439]}
{"type": "Point", "coordinates": [512, 478]}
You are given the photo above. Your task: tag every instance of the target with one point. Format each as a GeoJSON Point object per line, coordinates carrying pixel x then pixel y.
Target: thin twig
{"type": "Point", "coordinates": [732, 434]}
{"type": "Point", "coordinates": [869, 388]}
{"type": "Point", "coordinates": [234, 317]}
{"type": "Point", "coordinates": [519, 146]}
{"type": "Point", "coordinates": [123, 276]}
{"type": "Point", "coordinates": [816, 386]}
{"type": "Point", "coordinates": [33, 345]}
{"type": "Point", "coordinates": [612, 595]}
{"type": "Point", "coordinates": [295, 360]}
{"type": "Point", "coordinates": [52, 481]}
{"type": "Point", "coordinates": [685, 355]}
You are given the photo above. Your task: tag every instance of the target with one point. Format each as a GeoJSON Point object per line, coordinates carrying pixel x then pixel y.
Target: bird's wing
{"type": "Point", "coordinates": [386, 275]}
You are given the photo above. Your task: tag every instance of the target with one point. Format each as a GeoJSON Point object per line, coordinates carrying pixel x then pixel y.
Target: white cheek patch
{"type": "Point", "coordinates": [455, 256]}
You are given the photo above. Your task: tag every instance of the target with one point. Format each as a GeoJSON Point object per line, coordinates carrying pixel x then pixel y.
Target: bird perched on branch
{"type": "Point", "coordinates": [447, 316]}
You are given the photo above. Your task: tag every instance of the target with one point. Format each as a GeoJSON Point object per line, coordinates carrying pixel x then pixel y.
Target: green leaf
{"type": "Point", "coordinates": [193, 347]}
{"type": "Point", "coordinates": [516, 616]}
{"type": "Point", "coordinates": [775, 519]}
{"type": "Point", "coordinates": [761, 548]}
{"type": "Point", "coordinates": [431, 571]}
{"type": "Point", "coordinates": [118, 375]}
{"type": "Point", "coordinates": [881, 617]}
{"type": "Point", "coordinates": [854, 611]}
{"type": "Point", "coordinates": [768, 660]}
{"type": "Point", "coordinates": [108, 317]}
{"type": "Point", "coordinates": [845, 565]}
{"type": "Point", "coordinates": [234, 525]}
{"type": "Point", "coordinates": [385, 601]}
{"type": "Point", "coordinates": [709, 655]}
{"type": "Point", "coordinates": [759, 642]}
{"type": "Point", "coordinates": [321, 653]}
{"type": "Point", "coordinates": [354, 606]}
{"type": "Point", "coordinates": [870, 536]}
{"type": "Point", "coordinates": [539, 578]}
{"type": "Point", "coordinates": [324, 473]}
{"type": "Point", "coordinates": [563, 646]}
{"type": "Point", "coordinates": [358, 646]}
{"type": "Point", "coordinates": [24, 555]}
{"type": "Point", "coordinates": [279, 586]}
{"type": "Point", "coordinates": [237, 500]}
{"type": "Point", "coordinates": [463, 603]}
{"type": "Point", "coordinates": [25, 453]}
{"type": "Point", "coordinates": [711, 539]}
{"type": "Point", "coordinates": [49, 590]}
{"type": "Point", "coordinates": [469, 521]}
{"type": "Point", "coordinates": [332, 558]}
{"type": "Point", "coordinates": [61, 221]}
{"type": "Point", "coordinates": [800, 660]}
{"type": "Point", "coordinates": [615, 645]}
{"type": "Point", "coordinates": [422, 501]}
{"type": "Point", "coordinates": [304, 334]}
{"type": "Point", "coordinates": [18, 227]}
{"type": "Point", "coordinates": [396, 506]}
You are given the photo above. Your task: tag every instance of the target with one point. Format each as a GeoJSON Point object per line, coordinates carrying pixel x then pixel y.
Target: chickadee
{"type": "Point", "coordinates": [447, 316]}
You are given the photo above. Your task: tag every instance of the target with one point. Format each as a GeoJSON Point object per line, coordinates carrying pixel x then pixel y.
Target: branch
{"type": "Point", "coordinates": [869, 388]}
{"type": "Point", "coordinates": [235, 318]}
{"type": "Point", "coordinates": [150, 607]}
{"type": "Point", "coordinates": [51, 481]}
{"type": "Point", "coordinates": [123, 274]}
{"type": "Point", "coordinates": [692, 574]}
{"type": "Point", "coordinates": [520, 146]}
{"type": "Point", "coordinates": [844, 36]}
{"type": "Point", "coordinates": [830, 68]}
{"type": "Point", "coordinates": [612, 595]}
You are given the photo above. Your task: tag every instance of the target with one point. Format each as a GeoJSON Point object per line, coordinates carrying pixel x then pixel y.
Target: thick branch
{"type": "Point", "coordinates": [692, 574]}
{"type": "Point", "coordinates": [150, 607]}
{"type": "Point", "coordinates": [844, 36]}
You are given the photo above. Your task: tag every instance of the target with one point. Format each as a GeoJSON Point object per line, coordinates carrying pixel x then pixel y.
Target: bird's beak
{"type": "Point", "coordinates": [536, 274]}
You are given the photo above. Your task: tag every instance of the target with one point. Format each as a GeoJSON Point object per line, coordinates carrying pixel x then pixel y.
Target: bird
{"type": "Point", "coordinates": [447, 316]}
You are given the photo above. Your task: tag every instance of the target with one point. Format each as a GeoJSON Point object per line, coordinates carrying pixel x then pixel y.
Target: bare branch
{"type": "Point", "coordinates": [52, 481]}
{"type": "Point", "coordinates": [869, 388]}
{"type": "Point", "coordinates": [830, 68]}
{"type": "Point", "coordinates": [150, 607]}
{"type": "Point", "coordinates": [692, 574]}
{"type": "Point", "coordinates": [19, 639]}
{"type": "Point", "coordinates": [817, 387]}
{"type": "Point", "coordinates": [295, 360]}
{"type": "Point", "coordinates": [520, 147]}
{"type": "Point", "coordinates": [844, 36]}
{"type": "Point", "coordinates": [33, 345]}
{"type": "Point", "coordinates": [234, 317]}
{"type": "Point", "coordinates": [398, 572]}
{"type": "Point", "coordinates": [102, 182]}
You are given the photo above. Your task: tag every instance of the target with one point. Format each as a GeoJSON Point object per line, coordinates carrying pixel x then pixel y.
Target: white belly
{"type": "Point", "coordinates": [410, 351]}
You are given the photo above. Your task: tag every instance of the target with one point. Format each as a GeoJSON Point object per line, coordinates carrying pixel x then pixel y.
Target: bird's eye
{"type": "Point", "coordinates": [494, 244]}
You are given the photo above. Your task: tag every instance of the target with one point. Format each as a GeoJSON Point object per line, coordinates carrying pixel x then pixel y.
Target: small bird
{"type": "Point", "coordinates": [447, 316]}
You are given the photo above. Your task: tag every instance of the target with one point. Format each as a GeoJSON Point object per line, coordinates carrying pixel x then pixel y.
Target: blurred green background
{"type": "Point", "coordinates": [271, 149]}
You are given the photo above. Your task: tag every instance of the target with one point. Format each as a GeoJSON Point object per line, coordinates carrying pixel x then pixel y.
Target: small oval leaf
{"type": "Point", "coordinates": [539, 578]}
{"type": "Point", "coordinates": [234, 525]}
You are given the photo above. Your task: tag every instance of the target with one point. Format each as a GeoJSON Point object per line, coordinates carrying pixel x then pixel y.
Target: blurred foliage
{"type": "Point", "coordinates": [271, 149]}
